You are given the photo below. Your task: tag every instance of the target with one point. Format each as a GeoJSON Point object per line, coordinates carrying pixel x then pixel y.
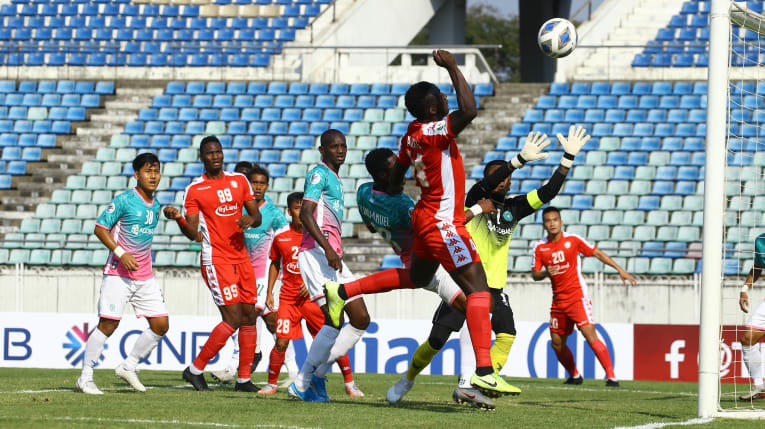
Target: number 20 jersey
{"type": "Point", "coordinates": [563, 255]}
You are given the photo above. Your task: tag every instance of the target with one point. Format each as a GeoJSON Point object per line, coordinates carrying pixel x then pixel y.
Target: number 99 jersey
{"type": "Point", "coordinates": [390, 216]}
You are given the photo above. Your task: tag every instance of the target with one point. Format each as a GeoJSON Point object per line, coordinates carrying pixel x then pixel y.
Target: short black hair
{"type": "Point", "coordinates": [377, 160]}
{"type": "Point", "coordinates": [257, 169]}
{"type": "Point", "coordinates": [246, 165]}
{"type": "Point", "coordinates": [550, 209]}
{"type": "Point", "coordinates": [492, 163]}
{"type": "Point", "coordinates": [208, 139]}
{"type": "Point", "coordinates": [418, 98]}
{"type": "Point", "coordinates": [143, 159]}
{"type": "Point", "coordinates": [330, 135]}
{"type": "Point", "coordinates": [294, 197]}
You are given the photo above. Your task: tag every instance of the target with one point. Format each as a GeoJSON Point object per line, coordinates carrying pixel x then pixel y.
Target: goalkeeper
{"type": "Point", "coordinates": [755, 325]}
{"type": "Point", "coordinates": [492, 233]}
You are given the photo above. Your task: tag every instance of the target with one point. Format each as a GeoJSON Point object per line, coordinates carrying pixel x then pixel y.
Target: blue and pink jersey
{"type": "Point", "coordinates": [390, 216]}
{"type": "Point", "coordinates": [258, 240]}
{"type": "Point", "coordinates": [131, 221]}
{"type": "Point", "coordinates": [324, 187]}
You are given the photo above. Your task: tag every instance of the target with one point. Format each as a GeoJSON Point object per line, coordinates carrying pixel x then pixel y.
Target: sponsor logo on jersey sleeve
{"type": "Point", "coordinates": [315, 178]}
{"type": "Point", "coordinates": [111, 208]}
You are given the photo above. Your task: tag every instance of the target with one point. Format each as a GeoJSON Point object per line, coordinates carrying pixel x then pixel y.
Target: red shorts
{"type": "Point", "coordinates": [231, 283]}
{"type": "Point", "coordinates": [449, 244]}
{"type": "Point", "coordinates": [290, 315]}
{"type": "Point", "coordinates": [563, 315]}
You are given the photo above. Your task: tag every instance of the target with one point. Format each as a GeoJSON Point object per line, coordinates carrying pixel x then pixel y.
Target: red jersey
{"type": "Point", "coordinates": [219, 204]}
{"type": "Point", "coordinates": [563, 255]}
{"type": "Point", "coordinates": [285, 246]}
{"type": "Point", "coordinates": [438, 169]}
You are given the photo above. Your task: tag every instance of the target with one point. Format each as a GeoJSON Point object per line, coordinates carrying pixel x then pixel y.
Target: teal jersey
{"type": "Point", "coordinates": [324, 187]}
{"type": "Point", "coordinates": [131, 221]}
{"type": "Point", "coordinates": [759, 251]}
{"type": "Point", "coordinates": [389, 215]}
{"type": "Point", "coordinates": [258, 240]}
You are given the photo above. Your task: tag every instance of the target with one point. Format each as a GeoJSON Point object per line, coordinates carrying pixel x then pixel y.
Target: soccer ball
{"type": "Point", "coordinates": [557, 37]}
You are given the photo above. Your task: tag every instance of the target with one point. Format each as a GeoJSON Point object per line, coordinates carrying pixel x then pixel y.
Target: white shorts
{"type": "Point", "coordinates": [316, 271]}
{"type": "Point", "coordinates": [262, 289]}
{"type": "Point", "coordinates": [145, 296]}
{"type": "Point", "coordinates": [444, 286]}
{"type": "Point", "coordinates": [757, 319]}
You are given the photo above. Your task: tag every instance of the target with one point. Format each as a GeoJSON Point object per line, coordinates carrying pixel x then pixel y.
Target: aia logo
{"type": "Point", "coordinates": [77, 338]}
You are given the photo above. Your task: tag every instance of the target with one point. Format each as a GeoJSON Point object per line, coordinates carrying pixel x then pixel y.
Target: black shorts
{"type": "Point", "coordinates": [502, 321]}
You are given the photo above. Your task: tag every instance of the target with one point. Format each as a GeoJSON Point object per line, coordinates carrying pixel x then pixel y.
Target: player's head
{"type": "Point", "coordinates": [551, 220]}
{"type": "Point", "coordinates": [294, 203]}
{"type": "Point", "coordinates": [426, 102]}
{"type": "Point", "coordinates": [258, 177]}
{"type": "Point", "coordinates": [333, 148]}
{"type": "Point", "coordinates": [379, 163]}
{"type": "Point", "coordinates": [146, 171]}
{"type": "Point", "coordinates": [243, 167]}
{"type": "Point", "coordinates": [211, 154]}
{"type": "Point", "coordinates": [504, 186]}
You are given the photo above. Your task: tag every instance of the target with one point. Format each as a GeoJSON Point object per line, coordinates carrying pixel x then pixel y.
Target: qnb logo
{"type": "Point", "coordinates": [540, 344]}
{"type": "Point", "coordinates": [76, 346]}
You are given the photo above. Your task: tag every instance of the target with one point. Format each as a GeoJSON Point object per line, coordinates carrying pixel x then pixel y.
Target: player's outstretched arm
{"type": "Point", "coordinates": [127, 260]}
{"type": "Point", "coordinates": [460, 118]}
{"type": "Point", "coordinates": [626, 277]}
{"type": "Point", "coordinates": [743, 300]}
{"type": "Point", "coordinates": [189, 225]}
{"type": "Point", "coordinates": [307, 212]}
{"type": "Point", "coordinates": [577, 138]}
{"type": "Point", "coordinates": [483, 205]}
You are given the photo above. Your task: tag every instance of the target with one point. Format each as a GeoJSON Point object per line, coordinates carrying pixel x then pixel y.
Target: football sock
{"type": "Point", "coordinates": [248, 337]}
{"type": "Point", "coordinates": [467, 361]}
{"type": "Point", "coordinates": [275, 365]}
{"type": "Point", "coordinates": [421, 358]}
{"type": "Point", "coordinates": [261, 324]}
{"type": "Point", "coordinates": [142, 347]}
{"type": "Point", "coordinates": [501, 350]}
{"type": "Point", "coordinates": [214, 343]}
{"type": "Point", "coordinates": [753, 361]}
{"type": "Point", "coordinates": [317, 354]}
{"type": "Point", "coordinates": [381, 281]}
{"type": "Point", "coordinates": [290, 362]}
{"type": "Point", "coordinates": [346, 339]}
{"type": "Point", "coordinates": [567, 360]}
{"type": "Point", "coordinates": [93, 348]}
{"type": "Point", "coordinates": [345, 368]}
{"type": "Point", "coordinates": [479, 324]}
{"type": "Point", "coordinates": [605, 359]}
{"type": "Point", "coordinates": [235, 354]}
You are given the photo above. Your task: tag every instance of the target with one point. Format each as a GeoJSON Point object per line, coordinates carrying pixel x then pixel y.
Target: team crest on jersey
{"type": "Point", "coordinates": [567, 245]}
{"type": "Point", "coordinates": [507, 216]}
{"type": "Point", "coordinates": [234, 184]}
{"type": "Point", "coordinates": [439, 126]}
{"type": "Point", "coordinates": [111, 208]}
{"type": "Point", "coordinates": [315, 178]}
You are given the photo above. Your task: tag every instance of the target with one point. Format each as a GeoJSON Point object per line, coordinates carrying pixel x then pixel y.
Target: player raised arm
{"type": "Point", "coordinates": [307, 216]}
{"type": "Point", "coordinates": [460, 118]}
{"type": "Point", "coordinates": [483, 205]}
{"type": "Point", "coordinates": [754, 274]}
{"type": "Point", "coordinates": [127, 260]}
{"type": "Point", "coordinates": [626, 277]}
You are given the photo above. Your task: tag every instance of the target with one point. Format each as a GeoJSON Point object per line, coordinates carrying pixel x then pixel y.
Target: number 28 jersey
{"type": "Point", "coordinates": [563, 256]}
{"type": "Point", "coordinates": [219, 204]}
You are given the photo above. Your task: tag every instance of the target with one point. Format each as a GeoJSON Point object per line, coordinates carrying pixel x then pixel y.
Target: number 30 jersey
{"type": "Point", "coordinates": [390, 216]}
{"type": "Point", "coordinates": [131, 221]}
{"type": "Point", "coordinates": [219, 204]}
{"type": "Point", "coordinates": [562, 256]}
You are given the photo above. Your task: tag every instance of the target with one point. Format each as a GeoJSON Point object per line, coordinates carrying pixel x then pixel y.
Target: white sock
{"type": "Point", "coordinates": [261, 325]}
{"type": "Point", "coordinates": [93, 349]}
{"type": "Point", "coordinates": [317, 355]}
{"type": "Point", "coordinates": [347, 338]}
{"type": "Point", "coordinates": [234, 364]}
{"type": "Point", "coordinates": [142, 347]}
{"type": "Point", "coordinates": [289, 361]}
{"type": "Point", "coordinates": [467, 357]}
{"type": "Point", "coordinates": [753, 361]}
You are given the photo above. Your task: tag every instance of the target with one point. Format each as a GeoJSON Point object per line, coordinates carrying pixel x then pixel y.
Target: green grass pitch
{"type": "Point", "coordinates": [46, 398]}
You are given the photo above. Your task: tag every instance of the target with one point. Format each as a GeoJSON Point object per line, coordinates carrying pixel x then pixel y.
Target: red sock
{"type": "Point", "coordinates": [248, 339]}
{"type": "Point", "coordinates": [381, 281]}
{"type": "Point", "coordinates": [567, 360]}
{"type": "Point", "coordinates": [479, 325]}
{"type": "Point", "coordinates": [214, 343]}
{"type": "Point", "coordinates": [345, 367]}
{"type": "Point", "coordinates": [601, 351]}
{"type": "Point", "coordinates": [275, 365]}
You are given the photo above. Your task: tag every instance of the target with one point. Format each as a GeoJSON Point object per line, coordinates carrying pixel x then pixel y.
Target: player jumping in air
{"type": "Point", "coordinates": [559, 253]}
{"type": "Point", "coordinates": [213, 215]}
{"type": "Point", "coordinates": [126, 228]}
{"type": "Point", "coordinates": [320, 261]}
{"type": "Point", "coordinates": [752, 354]}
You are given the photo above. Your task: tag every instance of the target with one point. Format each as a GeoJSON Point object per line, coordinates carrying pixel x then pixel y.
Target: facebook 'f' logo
{"type": "Point", "coordinates": [589, 360]}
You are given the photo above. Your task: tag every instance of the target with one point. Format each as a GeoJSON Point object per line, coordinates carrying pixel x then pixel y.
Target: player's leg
{"type": "Point", "coordinates": [379, 282]}
{"type": "Point", "coordinates": [248, 338]}
{"type": "Point", "coordinates": [111, 302]}
{"type": "Point", "coordinates": [503, 325]}
{"type": "Point", "coordinates": [560, 328]}
{"type": "Point", "coordinates": [266, 323]}
{"type": "Point", "coordinates": [601, 352]}
{"type": "Point", "coordinates": [275, 362]}
{"type": "Point", "coordinates": [227, 375]}
{"type": "Point", "coordinates": [752, 354]}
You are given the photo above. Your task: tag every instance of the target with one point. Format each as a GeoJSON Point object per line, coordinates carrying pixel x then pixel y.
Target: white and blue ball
{"type": "Point", "coordinates": [557, 37]}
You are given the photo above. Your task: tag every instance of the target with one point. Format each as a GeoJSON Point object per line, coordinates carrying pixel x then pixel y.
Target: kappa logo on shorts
{"type": "Point", "coordinates": [75, 347]}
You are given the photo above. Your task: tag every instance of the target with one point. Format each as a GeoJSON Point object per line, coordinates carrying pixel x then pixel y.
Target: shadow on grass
{"type": "Point", "coordinates": [581, 405]}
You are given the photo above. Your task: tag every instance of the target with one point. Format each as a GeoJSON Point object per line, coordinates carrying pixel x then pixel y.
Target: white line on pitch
{"type": "Point", "coordinates": [696, 421]}
{"type": "Point", "coordinates": [148, 421]}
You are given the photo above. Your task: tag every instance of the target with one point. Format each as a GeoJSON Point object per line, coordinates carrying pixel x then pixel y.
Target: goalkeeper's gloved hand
{"type": "Point", "coordinates": [532, 149]}
{"type": "Point", "coordinates": [577, 138]}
